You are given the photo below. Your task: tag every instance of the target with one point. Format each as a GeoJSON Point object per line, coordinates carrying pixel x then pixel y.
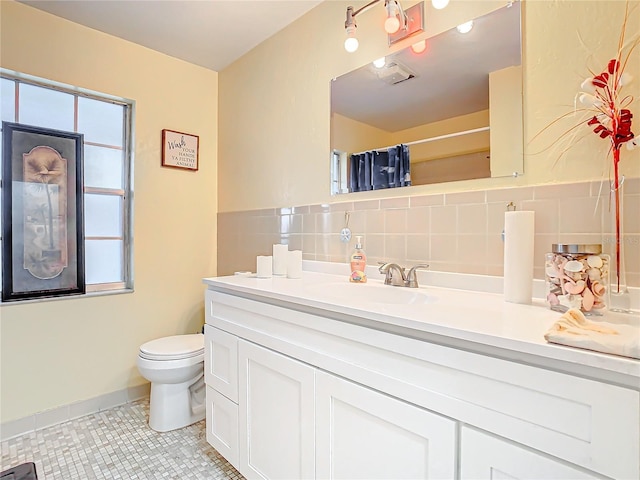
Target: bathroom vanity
{"type": "Point", "coordinates": [320, 378]}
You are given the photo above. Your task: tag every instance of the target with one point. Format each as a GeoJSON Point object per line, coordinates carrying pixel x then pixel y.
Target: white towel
{"type": "Point", "coordinates": [574, 330]}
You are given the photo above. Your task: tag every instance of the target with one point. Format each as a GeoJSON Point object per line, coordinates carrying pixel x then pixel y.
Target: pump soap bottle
{"type": "Point", "coordinates": [358, 262]}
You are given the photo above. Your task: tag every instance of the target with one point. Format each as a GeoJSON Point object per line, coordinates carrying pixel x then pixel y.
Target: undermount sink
{"type": "Point", "coordinates": [370, 293]}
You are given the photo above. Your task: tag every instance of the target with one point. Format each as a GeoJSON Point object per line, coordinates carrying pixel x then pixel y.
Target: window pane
{"type": "Point", "coordinates": [103, 167]}
{"type": "Point", "coordinates": [8, 96]}
{"type": "Point", "coordinates": [102, 215]}
{"type": "Point", "coordinates": [101, 122]}
{"type": "Point", "coordinates": [47, 108]}
{"type": "Point", "coordinates": [103, 261]}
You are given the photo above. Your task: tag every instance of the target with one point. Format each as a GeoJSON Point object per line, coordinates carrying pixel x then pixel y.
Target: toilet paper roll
{"type": "Point", "coordinates": [280, 259]}
{"type": "Point", "coordinates": [518, 256]}
{"type": "Point", "coordinates": [294, 264]}
{"type": "Point", "coordinates": [264, 266]}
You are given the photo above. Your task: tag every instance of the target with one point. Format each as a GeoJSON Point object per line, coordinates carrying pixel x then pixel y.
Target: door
{"type": "Point", "coordinates": [365, 434]}
{"type": "Point", "coordinates": [276, 415]}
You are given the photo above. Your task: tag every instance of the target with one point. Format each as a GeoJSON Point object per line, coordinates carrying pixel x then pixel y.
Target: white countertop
{"type": "Point", "coordinates": [476, 321]}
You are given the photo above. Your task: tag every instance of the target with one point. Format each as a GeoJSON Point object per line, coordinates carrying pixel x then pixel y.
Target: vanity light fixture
{"type": "Point", "coordinates": [465, 27]}
{"type": "Point", "coordinates": [399, 23]}
{"type": "Point", "coordinates": [351, 43]}
{"type": "Point", "coordinates": [395, 17]}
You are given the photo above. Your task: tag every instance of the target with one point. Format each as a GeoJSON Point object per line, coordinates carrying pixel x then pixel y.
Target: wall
{"type": "Point", "coordinates": [276, 187]}
{"type": "Point", "coordinates": [58, 352]}
{"type": "Point", "coordinates": [279, 93]}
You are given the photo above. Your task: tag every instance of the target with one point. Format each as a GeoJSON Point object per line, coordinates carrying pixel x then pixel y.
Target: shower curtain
{"type": "Point", "coordinates": [375, 170]}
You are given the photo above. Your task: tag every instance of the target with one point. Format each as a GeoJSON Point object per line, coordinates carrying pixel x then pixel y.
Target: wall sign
{"type": "Point", "coordinates": [179, 150]}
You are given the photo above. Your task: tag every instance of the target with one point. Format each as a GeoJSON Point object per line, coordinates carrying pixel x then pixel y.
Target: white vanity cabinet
{"type": "Point", "coordinates": [328, 395]}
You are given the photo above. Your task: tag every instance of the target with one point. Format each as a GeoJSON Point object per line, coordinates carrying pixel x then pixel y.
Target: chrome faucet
{"type": "Point", "coordinates": [410, 280]}
{"type": "Point", "coordinates": [389, 278]}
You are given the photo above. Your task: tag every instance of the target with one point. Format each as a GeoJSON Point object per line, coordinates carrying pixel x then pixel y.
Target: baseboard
{"type": "Point", "coordinates": [64, 413]}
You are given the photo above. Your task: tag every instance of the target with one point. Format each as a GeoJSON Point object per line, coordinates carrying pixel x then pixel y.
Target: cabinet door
{"type": "Point", "coordinates": [486, 457]}
{"type": "Point", "coordinates": [222, 425]}
{"type": "Point", "coordinates": [221, 362]}
{"type": "Point", "coordinates": [364, 434]}
{"type": "Point", "coordinates": [276, 415]}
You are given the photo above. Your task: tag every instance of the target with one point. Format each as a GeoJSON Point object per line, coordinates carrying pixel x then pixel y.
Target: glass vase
{"type": "Point", "coordinates": [620, 297]}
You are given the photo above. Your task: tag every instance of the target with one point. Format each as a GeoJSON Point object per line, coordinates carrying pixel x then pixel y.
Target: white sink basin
{"type": "Point", "coordinates": [370, 293]}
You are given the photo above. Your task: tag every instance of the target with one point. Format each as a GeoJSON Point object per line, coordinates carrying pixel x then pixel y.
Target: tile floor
{"type": "Point", "coordinates": [118, 444]}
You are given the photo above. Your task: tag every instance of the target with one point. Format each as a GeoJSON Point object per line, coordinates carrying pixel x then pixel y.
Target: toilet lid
{"type": "Point", "coordinates": [175, 347]}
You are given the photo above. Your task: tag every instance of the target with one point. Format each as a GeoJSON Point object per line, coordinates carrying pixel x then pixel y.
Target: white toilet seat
{"type": "Point", "coordinates": [176, 347]}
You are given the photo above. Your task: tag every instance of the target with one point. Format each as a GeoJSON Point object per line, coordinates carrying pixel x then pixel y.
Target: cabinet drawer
{"type": "Point", "coordinates": [221, 362]}
{"type": "Point", "coordinates": [222, 425]}
{"type": "Point", "coordinates": [486, 457]}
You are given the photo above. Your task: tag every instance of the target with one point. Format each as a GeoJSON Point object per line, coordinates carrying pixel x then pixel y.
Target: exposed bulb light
{"type": "Point", "coordinates": [439, 4]}
{"type": "Point", "coordinates": [380, 62]}
{"type": "Point", "coordinates": [392, 23]}
{"type": "Point", "coordinates": [419, 47]}
{"type": "Point", "coordinates": [465, 27]}
{"type": "Point", "coordinates": [351, 43]}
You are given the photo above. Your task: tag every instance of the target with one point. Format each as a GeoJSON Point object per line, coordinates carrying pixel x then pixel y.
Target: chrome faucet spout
{"type": "Point", "coordinates": [389, 279]}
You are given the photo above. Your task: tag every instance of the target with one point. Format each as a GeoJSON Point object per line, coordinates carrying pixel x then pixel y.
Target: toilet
{"type": "Point", "coordinates": [175, 367]}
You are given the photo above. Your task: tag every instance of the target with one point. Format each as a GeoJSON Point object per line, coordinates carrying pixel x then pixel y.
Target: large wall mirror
{"type": "Point", "coordinates": [457, 106]}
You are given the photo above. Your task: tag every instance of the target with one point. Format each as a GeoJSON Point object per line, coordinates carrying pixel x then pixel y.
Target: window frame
{"type": "Point", "coordinates": [126, 192]}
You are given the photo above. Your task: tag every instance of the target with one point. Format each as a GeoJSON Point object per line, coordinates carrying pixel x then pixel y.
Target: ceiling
{"type": "Point", "coordinates": [209, 33]}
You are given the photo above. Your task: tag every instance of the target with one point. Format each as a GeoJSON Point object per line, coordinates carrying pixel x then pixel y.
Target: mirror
{"type": "Point", "coordinates": [457, 105]}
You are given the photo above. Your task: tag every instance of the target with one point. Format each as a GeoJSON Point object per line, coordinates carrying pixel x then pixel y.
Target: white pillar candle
{"type": "Point", "coordinates": [294, 264]}
{"type": "Point", "coordinates": [518, 256]}
{"type": "Point", "coordinates": [280, 259]}
{"type": "Point", "coordinates": [264, 267]}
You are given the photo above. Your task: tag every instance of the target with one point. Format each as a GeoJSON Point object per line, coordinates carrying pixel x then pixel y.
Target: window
{"type": "Point", "coordinates": [106, 123]}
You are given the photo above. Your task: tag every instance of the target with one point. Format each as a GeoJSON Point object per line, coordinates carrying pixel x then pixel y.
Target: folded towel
{"type": "Point", "coordinates": [574, 330]}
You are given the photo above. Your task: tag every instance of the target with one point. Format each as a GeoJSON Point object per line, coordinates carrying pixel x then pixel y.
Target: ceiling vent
{"type": "Point", "coordinates": [394, 73]}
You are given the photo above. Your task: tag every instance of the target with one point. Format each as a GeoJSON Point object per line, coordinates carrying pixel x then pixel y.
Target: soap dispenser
{"type": "Point", "coordinates": [358, 261]}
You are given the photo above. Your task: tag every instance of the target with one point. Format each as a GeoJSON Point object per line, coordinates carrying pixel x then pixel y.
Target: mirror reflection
{"type": "Point", "coordinates": [456, 107]}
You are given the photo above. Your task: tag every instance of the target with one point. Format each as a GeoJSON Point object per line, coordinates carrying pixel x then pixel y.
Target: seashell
{"type": "Point", "coordinates": [598, 289]}
{"type": "Point", "coordinates": [552, 299]}
{"type": "Point", "coordinates": [594, 261]}
{"type": "Point", "coordinates": [551, 272]}
{"type": "Point", "coordinates": [575, 288]}
{"type": "Point", "coordinates": [570, 301]}
{"type": "Point", "coordinates": [594, 274]}
{"type": "Point", "coordinates": [587, 300]}
{"type": "Point", "coordinates": [573, 266]}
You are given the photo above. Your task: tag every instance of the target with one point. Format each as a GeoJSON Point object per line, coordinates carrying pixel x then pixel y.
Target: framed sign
{"type": "Point", "coordinates": [42, 213]}
{"type": "Point", "coordinates": [179, 150]}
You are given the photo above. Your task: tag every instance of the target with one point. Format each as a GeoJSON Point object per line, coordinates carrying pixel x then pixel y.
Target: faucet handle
{"type": "Point", "coordinates": [412, 277]}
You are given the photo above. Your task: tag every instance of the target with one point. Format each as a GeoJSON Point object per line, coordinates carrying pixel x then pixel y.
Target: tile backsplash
{"type": "Point", "coordinates": [454, 232]}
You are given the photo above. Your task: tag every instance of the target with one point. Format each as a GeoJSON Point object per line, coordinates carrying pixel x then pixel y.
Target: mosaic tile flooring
{"type": "Point", "coordinates": [118, 444]}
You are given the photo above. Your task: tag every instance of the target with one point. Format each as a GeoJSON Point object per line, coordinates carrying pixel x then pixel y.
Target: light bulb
{"type": "Point", "coordinates": [419, 47]}
{"type": "Point", "coordinates": [392, 24]}
{"type": "Point", "coordinates": [439, 4]}
{"type": "Point", "coordinates": [351, 44]}
{"type": "Point", "coordinates": [465, 27]}
{"type": "Point", "coordinates": [380, 62]}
